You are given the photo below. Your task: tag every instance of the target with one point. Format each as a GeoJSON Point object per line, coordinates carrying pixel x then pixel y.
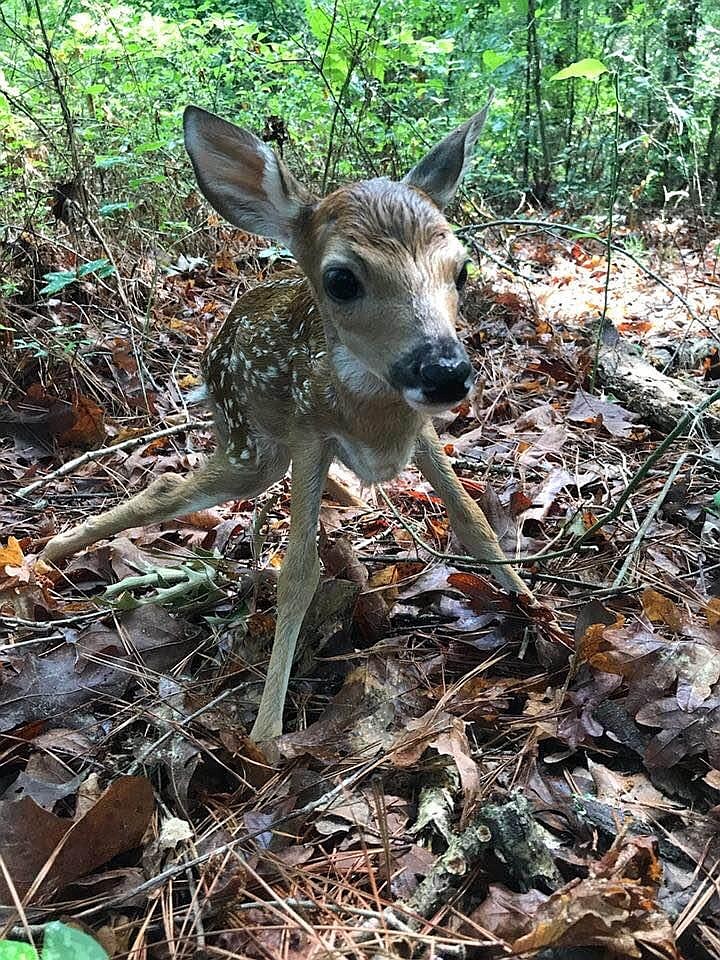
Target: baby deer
{"type": "Point", "coordinates": [348, 361]}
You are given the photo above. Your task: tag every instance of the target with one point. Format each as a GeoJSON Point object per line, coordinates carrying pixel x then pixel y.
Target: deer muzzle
{"type": "Point", "coordinates": [436, 375]}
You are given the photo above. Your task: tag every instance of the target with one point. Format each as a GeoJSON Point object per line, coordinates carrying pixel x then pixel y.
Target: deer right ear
{"type": "Point", "coordinates": [440, 172]}
{"type": "Point", "coordinates": [242, 177]}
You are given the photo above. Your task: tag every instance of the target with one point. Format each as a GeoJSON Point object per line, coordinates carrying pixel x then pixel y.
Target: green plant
{"type": "Point", "coordinates": [60, 279]}
{"type": "Point", "coordinates": [60, 942]}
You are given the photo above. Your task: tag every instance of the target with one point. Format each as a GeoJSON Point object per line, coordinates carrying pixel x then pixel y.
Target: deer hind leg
{"type": "Point", "coordinates": [170, 496]}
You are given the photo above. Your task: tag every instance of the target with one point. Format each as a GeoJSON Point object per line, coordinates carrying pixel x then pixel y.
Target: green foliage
{"type": "Point", "coordinates": [12, 950]}
{"type": "Point", "coordinates": [58, 280]}
{"type": "Point", "coordinates": [66, 943]}
{"type": "Point", "coordinates": [355, 88]}
{"type": "Point", "coordinates": [59, 943]}
{"type": "Point", "coordinates": [587, 69]}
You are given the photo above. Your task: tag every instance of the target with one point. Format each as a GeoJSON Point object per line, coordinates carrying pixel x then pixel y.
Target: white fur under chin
{"type": "Point", "coordinates": [415, 398]}
{"type": "Point", "coordinates": [354, 374]}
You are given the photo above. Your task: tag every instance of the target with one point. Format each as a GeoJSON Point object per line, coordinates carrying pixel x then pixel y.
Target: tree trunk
{"type": "Point", "coordinates": [542, 178]}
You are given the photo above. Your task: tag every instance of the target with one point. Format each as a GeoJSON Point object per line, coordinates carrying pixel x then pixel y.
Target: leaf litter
{"type": "Point", "coordinates": [458, 776]}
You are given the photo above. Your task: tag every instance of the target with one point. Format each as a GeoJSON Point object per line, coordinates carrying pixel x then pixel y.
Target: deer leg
{"type": "Point", "coordinates": [298, 580]}
{"type": "Point", "coordinates": [169, 496]}
{"type": "Point", "coordinates": [466, 518]}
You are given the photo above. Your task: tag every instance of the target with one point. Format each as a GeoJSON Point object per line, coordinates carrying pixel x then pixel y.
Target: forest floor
{"type": "Point", "coordinates": [463, 774]}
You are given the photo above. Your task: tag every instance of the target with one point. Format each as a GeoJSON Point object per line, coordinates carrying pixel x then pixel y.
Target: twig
{"type": "Point", "coordinates": [179, 868]}
{"type": "Point", "coordinates": [89, 455]}
{"type": "Point", "coordinates": [657, 503]}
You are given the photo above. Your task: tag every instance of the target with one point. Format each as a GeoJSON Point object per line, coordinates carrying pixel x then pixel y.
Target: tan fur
{"type": "Point", "coordinates": [295, 376]}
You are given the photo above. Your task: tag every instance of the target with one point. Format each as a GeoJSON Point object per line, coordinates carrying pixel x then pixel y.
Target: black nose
{"type": "Point", "coordinates": [444, 379]}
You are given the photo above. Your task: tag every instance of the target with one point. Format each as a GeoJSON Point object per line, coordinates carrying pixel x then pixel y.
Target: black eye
{"type": "Point", "coordinates": [462, 277]}
{"type": "Point", "coordinates": [341, 284]}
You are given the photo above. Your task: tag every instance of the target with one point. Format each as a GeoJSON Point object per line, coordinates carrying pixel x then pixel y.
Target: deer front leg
{"type": "Point", "coordinates": [466, 518]}
{"type": "Point", "coordinates": [298, 580]}
{"type": "Point", "coordinates": [168, 496]}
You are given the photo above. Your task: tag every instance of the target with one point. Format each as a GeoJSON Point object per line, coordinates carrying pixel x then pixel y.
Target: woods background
{"type": "Point", "coordinates": [93, 94]}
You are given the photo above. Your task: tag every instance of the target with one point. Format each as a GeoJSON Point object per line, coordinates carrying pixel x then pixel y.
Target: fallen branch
{"type": "Point", "coordinates": [659, 399]}
{"type": "Point", "coordinates": [90, 455]}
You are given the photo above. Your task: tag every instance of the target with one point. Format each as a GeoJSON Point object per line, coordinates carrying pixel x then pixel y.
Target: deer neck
{"type": "Point", "coordinates": [375, 430]}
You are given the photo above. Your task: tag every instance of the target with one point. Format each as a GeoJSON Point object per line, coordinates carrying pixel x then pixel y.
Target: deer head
{"type": "Point", "coordinates": [385, 267]}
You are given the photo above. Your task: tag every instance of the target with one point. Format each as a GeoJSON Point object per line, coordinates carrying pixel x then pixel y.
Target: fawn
{"type": "Point", "coordinates": [348, 360]}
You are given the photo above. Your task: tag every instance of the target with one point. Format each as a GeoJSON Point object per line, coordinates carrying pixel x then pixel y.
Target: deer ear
{"type": "Point", "coordinates": [440, 172]}
{"type": "Point", "coordinates": [242, 177]}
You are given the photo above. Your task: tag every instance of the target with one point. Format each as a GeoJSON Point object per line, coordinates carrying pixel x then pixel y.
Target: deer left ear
{"type": "Point", "coordinates": [440, 172]}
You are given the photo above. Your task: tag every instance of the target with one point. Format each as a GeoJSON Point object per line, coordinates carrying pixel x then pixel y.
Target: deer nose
{"type": "Point", "coordinates": [445, 379]}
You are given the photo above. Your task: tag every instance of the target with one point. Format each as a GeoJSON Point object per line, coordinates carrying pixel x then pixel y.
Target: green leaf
{"type": "Point", "coordinates": [376, 68]}
{"type": "Point", "coordinates": [101, 268]}
{"type": "Point", "coordinates": [139, 181]}
{"type": "Point", "coordinates": [12, 950]}
{"type": "Point", "coordinates": [587, 69]}
{"type": "Point", "coordinates": [108, 209]}
{"type": "Point", "coordinates": [318, 21]}
{"type": "Point", "coordinates": [149, 147]}
{"type": "Point", "coordinates": [66, 943]}
{"type": "Point", "coordinates": [492, 59]}
{"type": "Point", "coordinates": [58, 280]}
{"type": "Point", "coordinates": [104, 162]}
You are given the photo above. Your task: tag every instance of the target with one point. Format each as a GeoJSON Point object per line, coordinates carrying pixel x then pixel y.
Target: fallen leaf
{"type": "Point", "coordinates": [614, 909]}
{"type": "Point", "coordinates": [506, 913]}
{"type": "Point", "coordinates": [611, 416]}
{"type": "Point", "coordinates": [684, 732]}
{"type": "Point", "coordinates": [36, 687]}
{"type": "Point", "coordinates": [31, 836]}
{"type": "Point", "coordinates": [660, 609]}
{"type": "Point", "coordinates": [446, 734]}
{"type": "Point", "coordinates": [712, 611]}
{"type": "Point", "coordinates": [11, 555]}
{"type": "Point", "coordinates": [88, 426]}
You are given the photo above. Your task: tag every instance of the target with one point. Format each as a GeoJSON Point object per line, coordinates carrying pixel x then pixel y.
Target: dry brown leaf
{"type": "Point", "coordinates": [446, 734]}
{"type": "Point", "coordinates": [31, 836]}
{"type": "Point", "coordinates": [11, 555]}
{"type": "Point", "coordinates": [88, 427]}
{"type": "Point", "coordinates": [505, 913]}
{"type": "Point", "coordinates": [611, 416]}
{"type": "Point", "coordinates": [712, 612]}
{"type": "Point", "coordinates": [614, 908]}
{"type": "Point", "coordinates": [660, 609]}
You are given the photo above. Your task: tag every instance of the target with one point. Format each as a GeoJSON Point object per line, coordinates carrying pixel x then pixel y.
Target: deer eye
{"type": "Point", "coordinates": [341, 284]}
{"type": "Point", "coordinates": [461, 278]}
